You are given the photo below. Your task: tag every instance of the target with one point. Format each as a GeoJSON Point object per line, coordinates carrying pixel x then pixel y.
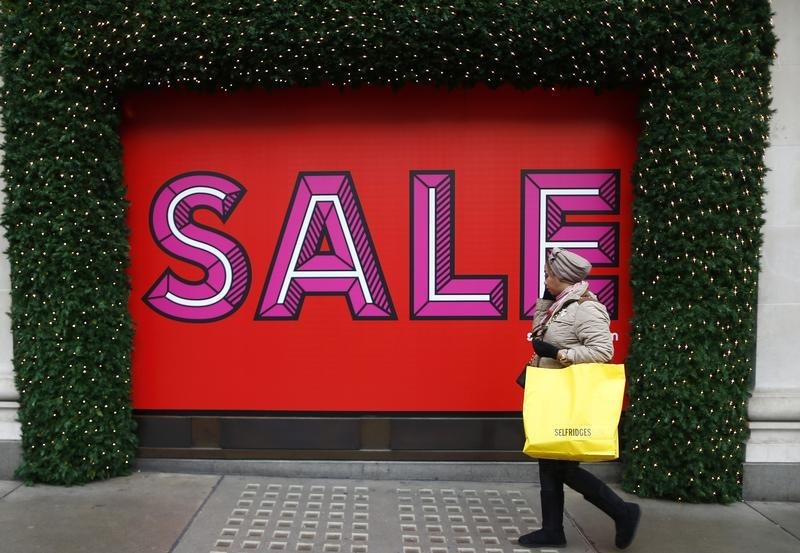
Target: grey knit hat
{"type": "Point", "coordinates": [568, 266]}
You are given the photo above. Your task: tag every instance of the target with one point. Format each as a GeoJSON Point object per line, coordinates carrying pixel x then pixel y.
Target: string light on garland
{"type": "Point", "coordinates": [702, 71]}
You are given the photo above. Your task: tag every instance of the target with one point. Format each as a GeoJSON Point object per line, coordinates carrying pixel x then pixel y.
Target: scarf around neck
{"type": "Point", "coordinates": [573, 292]}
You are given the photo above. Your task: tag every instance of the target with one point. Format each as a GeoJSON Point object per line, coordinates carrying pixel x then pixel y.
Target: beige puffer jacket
{"type": "Point", "coordinates": [580, 327]}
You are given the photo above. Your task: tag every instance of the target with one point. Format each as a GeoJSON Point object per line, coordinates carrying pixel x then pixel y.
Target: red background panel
{"type": "Point", "coordinates": [325, 361]}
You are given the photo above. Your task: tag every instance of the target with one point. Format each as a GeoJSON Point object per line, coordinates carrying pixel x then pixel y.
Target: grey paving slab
{"type": "Point", "coordinates": [668, 526]}
{"type": "Point", "coordinates": [784, 514]}
{"type": "Point", "coordinates": [7, 486]}
{"type": "Point", "coordinates": [361, 516]}
{"type": "Point", "coordinates": [141, 513]}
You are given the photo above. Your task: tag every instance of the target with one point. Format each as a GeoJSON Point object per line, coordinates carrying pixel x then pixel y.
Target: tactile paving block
{"type": "Point", "coordinates": [245, 515]}
{"type": "Point", "coordinates": [279, 516]}
{"type": "Point", "coordinates": [463, 519]}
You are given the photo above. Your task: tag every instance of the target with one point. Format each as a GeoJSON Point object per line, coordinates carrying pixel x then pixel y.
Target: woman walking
{"type": "Point", "coordinates": [571, 326]}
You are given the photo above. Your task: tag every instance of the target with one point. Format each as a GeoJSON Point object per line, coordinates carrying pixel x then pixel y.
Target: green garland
{"type": "Point", "coordinates": [703, 71]}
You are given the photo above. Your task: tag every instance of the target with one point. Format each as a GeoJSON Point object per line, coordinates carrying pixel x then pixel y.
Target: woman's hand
{"type": "Point", "coordinates": [545, 349]}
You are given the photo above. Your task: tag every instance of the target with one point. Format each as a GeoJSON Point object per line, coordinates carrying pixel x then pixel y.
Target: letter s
{"type": "Point", "coordinates": [227, 268]}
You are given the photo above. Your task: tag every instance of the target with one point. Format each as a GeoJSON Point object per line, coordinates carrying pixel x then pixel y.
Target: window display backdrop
{"type": "Point", "coordinates": [364, 250]}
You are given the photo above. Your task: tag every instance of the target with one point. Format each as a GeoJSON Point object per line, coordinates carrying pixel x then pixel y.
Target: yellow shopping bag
{"type": "Point", "coordinates": [573, 413]}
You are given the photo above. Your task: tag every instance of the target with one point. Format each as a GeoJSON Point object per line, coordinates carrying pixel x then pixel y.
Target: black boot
{"type": "Point", "coordinates": [595, 491]}
{"type": "Point", "coordinates": [627, 525]}
{"type": "Point", "coordinates": [552, 531]}
{"type": "Point", "coordinates": [625, 515]}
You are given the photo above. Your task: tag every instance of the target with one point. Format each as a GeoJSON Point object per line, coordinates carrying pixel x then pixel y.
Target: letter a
{"type": "Point", "coordinates": [325, 207]}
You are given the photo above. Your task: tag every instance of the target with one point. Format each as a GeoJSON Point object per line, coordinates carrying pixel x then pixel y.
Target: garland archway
{"type": "Point", "coordinates": [703, 71]}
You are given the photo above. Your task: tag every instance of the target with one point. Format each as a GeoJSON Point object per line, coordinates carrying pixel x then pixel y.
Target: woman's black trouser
{"type": "Point", "coordinates": [552, 477]}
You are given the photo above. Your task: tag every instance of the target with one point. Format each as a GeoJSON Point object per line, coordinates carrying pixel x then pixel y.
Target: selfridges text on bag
{"type": "Point", "coordinates": [573, 413]}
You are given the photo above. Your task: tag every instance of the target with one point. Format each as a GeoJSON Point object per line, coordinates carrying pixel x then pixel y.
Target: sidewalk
{"type": "Point", "coordinates": [190, 513]}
